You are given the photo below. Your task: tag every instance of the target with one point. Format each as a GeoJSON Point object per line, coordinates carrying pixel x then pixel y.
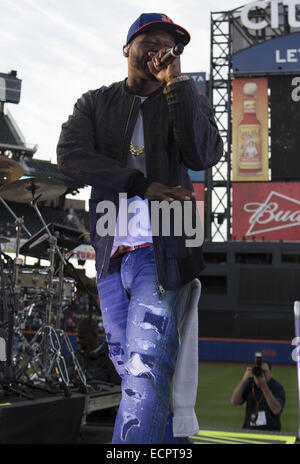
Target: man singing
{"type": "Point", "coordinates": [134, 142]}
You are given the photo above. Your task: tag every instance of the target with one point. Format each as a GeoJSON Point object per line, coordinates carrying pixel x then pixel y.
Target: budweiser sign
{"type": "Point", "coordinates": [269, 211]}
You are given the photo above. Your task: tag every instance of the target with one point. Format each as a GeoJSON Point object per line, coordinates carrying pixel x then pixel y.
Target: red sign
{"type": "Point", "coordinates": [267, 211]}
{"type": "Point", "coordinates": [199, 188]}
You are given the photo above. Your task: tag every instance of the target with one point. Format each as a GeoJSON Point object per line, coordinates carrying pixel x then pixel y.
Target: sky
{"type": "Point", "coordinates": [63, 48]}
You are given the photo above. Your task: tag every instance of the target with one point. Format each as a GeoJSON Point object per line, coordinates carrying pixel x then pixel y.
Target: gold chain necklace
{"type": "Point", "coordinates": [136, 152]}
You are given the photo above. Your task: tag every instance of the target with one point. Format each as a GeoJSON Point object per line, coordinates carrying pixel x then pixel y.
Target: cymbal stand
{"type": "Point", "coordinates": [35, 207]}
{"type": "Point", "coordinates": [3, 319]}
{"type": "Point", "coordinates": [51, 345]}
{"type": "Point", "coordinates": [61, 333]}
{"type": "Point", "coordinates": [46, 331]}
{"type": "Point", "coordinates": [4, 306]}
{"type": "Point", "coordinates": [14, 216]}
{"type": "Point", "coordinates": [15, 287]}
{"type": "Point", "coordinates": [60, 291]}
{"type": "Point", "coordinates": [10, 305]}
{"type": "Point", "coordinates": [52, 358]}
{"type": "Point", "coordinates": [77, 368]}
{"type": "Point", "coordinates": [16, 299]}
{"type": "Point", "coordinates": [53, 248]}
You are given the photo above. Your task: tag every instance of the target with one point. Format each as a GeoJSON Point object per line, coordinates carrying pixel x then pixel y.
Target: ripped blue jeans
{"type": "Point", "coordinates": [141, 331]}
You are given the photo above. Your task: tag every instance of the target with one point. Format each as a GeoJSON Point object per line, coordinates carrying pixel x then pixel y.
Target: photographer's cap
{"type": "Point", "coordinates": [158, 21]}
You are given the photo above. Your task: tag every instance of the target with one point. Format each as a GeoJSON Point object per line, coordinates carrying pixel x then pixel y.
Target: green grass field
{"type": "Point", "coordinates": [216, 384]}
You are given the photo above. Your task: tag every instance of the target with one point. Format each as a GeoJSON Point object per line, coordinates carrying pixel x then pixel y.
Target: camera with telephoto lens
{"type": "Point", "coordinates": [257, 370]}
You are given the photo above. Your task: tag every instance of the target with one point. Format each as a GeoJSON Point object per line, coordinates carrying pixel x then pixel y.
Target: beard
{"type": "Point", "coordinates": [141, 66]}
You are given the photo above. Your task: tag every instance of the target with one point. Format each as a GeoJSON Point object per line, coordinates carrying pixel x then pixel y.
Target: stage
{"type": "Point", "coordinates": [102, 434]}
{"type": "Point", "coordinates": [242, 437]}
{"type": "Point", "coordinates": [61, 419]}
{"type": "Point", "coordinates": [56, 418]}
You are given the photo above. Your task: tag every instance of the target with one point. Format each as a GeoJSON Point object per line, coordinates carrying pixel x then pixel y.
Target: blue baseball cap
{"type": "Point", "coordinates": [158, 21]}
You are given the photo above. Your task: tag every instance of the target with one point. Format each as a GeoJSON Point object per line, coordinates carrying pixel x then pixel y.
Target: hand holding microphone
{"type": "Point", "coordinates": [170, 55]}
{"type": "Point", "coordinates": [164, 65]}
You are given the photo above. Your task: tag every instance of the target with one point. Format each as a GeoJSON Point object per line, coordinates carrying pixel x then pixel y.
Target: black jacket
{"type": "Point", "coordinates": [180, 133]}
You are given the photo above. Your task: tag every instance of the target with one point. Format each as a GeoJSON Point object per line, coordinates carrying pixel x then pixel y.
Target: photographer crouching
{"type": "Point", "coordinates": [264, 396]}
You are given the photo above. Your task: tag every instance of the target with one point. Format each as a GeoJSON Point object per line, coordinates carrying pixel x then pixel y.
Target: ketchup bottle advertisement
{"type": "Point", "coordinates": [250, 130]}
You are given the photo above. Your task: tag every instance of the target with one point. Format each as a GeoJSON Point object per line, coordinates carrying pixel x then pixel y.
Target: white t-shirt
{"type": "Point", "coordinates": [133, 222]}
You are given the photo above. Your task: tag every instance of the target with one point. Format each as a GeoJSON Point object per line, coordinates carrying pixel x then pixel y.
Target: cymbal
{"type": "Point", "coordinates": [10, 170]}
{"type": "Point", "coordinates": [25, 190]}
{"type": "Point", "coordinates": [4, 240]}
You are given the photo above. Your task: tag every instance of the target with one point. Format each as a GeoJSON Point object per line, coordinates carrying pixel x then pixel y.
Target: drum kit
{"type": "Point", "coordinates": [45, 290]}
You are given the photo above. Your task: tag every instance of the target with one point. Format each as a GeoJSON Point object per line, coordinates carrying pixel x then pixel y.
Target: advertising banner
{"type": "Point", "coordinates": [271, 14]}
{"type": "Point", "coordinates": [250, 129]}
{"type": "Point", "coordinates": [267, 211]}
{"type": "Point", "coordinates": [199, 188]}
{"type": "Point", "coordinates": [200, 81]}
{"type": "Point", "coordinates": [273, 56]}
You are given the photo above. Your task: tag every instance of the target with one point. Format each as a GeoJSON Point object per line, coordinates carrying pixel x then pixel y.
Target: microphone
{"type": "Point", "coordinates": [170, 55]}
